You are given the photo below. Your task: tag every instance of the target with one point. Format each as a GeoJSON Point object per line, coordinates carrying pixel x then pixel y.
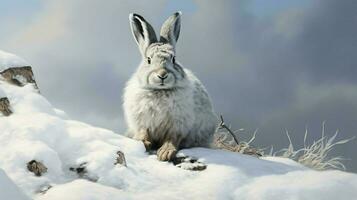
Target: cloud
{"type": "Point", "coordinates": [82, 53]}
{"type": "Point", "coordinates": [312, 106]}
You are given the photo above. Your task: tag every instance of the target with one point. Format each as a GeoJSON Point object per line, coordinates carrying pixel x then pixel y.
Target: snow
{"type": "Point", "coordinates": [37, 130]}
{"type": "Point", "coordinates": [300, 185]}
{"type": "Point", "coordinates": [10, 60]}
{"type": "Point", "coordinates": [82, 189]}
{"type": "Point", "coordinates": [9, 190]}
{"type": "Point", "coordinates": [2, 93]}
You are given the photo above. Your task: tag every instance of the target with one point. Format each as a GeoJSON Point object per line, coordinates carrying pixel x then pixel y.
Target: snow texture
{"type": "Point", "coordinates": [8, 60]}
{"type": "Point", "coordinates": [37, 130]}
{"type": "Point", "coordinates": [2, 93]}
{"type": "Point", "coordinates": [8, 189]}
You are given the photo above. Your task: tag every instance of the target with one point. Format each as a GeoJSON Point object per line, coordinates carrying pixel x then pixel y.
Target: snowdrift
{"type": "Point", "coordinates": [8, 60]}
{"type": "Point", "coordinates": [9, 190]}
{"type": "Point", "coordinates": [37, 131]}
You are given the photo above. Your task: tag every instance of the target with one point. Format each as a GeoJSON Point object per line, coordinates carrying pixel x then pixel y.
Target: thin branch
{"type": "Point", "coordinates": [223, 125]}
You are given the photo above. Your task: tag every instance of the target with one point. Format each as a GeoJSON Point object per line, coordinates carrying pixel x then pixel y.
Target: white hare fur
{"type": "Point", "coordinates": [165, 105]}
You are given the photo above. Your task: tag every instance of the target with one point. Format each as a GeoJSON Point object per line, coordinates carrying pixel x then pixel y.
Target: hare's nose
{"type": "Point", "coordinates": [162, 74]}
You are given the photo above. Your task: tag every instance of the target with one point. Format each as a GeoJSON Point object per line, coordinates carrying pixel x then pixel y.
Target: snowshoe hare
{"type": "Point", "coordinates": [165, 105]}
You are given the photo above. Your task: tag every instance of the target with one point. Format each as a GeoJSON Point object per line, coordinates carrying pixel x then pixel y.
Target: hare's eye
{"type": "Point", "coordinates": [149, 60]}
{"type": "Point", "coordinates": [173, 59]}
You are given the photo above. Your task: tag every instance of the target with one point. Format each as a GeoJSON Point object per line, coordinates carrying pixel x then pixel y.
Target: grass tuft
{"type": "Point", "coordinates": [316, 155]}
{"type": "Point", "coordinates": [227, 139]}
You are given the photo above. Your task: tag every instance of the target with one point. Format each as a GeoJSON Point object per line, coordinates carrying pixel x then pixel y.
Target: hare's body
{"type": "Point", "coordinates": [184, 112]}
{"type": "Point", "coordinates": [165, 105]}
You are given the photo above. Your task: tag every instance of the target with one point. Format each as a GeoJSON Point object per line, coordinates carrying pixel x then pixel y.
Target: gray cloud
{"type": "Point", "coordinates": [287, 70]}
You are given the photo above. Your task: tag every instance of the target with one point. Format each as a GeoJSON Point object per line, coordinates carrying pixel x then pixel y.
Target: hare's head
{"type": "Point", "coordinates": [159, 68]}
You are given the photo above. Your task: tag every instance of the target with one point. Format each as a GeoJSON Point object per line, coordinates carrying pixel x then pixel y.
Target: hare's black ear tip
{"type": "Point", "coordinates": [178, 13]}
{"type": "Point", "coordinates": [133, 16]}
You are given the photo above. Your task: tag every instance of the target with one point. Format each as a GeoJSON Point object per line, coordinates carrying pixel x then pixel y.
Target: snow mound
{"type": "Point", "coordinates": [38, 131]}
{"type": "Point", "coordinates": [8, 60]}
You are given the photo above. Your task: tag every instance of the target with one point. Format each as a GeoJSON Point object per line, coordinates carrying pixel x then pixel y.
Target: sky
{"type": "Point", "coordinates": [275, 66]}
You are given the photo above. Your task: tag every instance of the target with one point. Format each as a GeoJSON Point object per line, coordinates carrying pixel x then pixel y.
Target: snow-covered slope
{"type": "Point", "coordinates": [10, 60]}
{"type": "Point", "coordinates": [8, 190]}
{"type": "Point", "coordinates": [38, 131]}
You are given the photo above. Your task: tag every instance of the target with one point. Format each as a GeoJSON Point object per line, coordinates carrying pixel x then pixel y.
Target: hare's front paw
{"type": "Point", "coordinates": [167, 152]}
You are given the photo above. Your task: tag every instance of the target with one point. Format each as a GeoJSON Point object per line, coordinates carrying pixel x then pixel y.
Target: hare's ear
{"type": "Point", "coordinates": [142, 31]}
{"type": "Point", "coordinates": [170, 30]}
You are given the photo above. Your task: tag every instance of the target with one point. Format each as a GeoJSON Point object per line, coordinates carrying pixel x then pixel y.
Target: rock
{"type": "Point", "coordinates": [36, 167]}
{"type": "Point", "coordinates": [19, 76]}
{"type": "Point", "coordinates": [120, 159]}
{"type": "Point", "coordinates": [5, 106]}
{"type": "Point", "coordinates": [189, 163]}
{"type": "Point", "coordinates": [82, 172]}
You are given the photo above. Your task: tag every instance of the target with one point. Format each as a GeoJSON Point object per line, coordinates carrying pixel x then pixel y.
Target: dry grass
{"type": "Point", "coordinates": [316, 155]}
{"type": "Point", "coordinates": [227, 139]}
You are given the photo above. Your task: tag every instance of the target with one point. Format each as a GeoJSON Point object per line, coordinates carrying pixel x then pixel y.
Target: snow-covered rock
{"type": "Point", "coordinates": [38, 131]}
{"type": "Point", "coordinates": [8, 60]}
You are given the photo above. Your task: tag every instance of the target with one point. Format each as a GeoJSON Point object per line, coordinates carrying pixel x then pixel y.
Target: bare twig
{"type": "Point", "coordinates": [223, 125]}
